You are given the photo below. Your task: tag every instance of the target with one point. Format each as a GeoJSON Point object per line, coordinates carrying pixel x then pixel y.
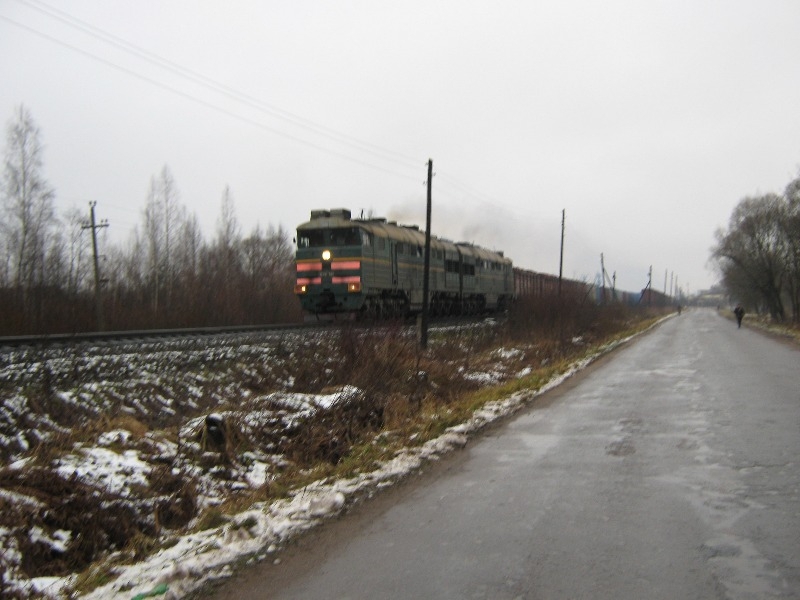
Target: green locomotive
{"type": "Point", "coordinates": [374, 267]}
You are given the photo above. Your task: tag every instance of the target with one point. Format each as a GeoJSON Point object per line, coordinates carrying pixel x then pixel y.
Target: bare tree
{"type": "Point", "coordinates": [188, 247]}
{"type": "Point", "coordinates": [285, 306]}
{"type": "Point", "coordinates": [268, 261]}
{"type": "Point", "coordinates": [189, 290]}
{"type": "Point", "coordinates": [173, 213]}
{"type": "Point", "coordinates": [255, 259]}
{"type": "Point", "coordinates": [29, 216]}
{"type": "Point", "coordinates": [224, 262]}
{"type": "Point", "coordinates": [752, 253]}
{"type": "Point", "coordinates": [154, 240]}
{"type": "Point", "coordinates": [167, 276]}
{"type": "Point", "coordinates": [791, 230]}
{"type": "Point", "coordinates": [228, 230]}
{"type": "Point", "coordinates": [162, 215]}
{"type": "Point", "coordinates": [78, 266]}
{"type": "Point", "coordinates": [128, 294]}
{"type": "Point", "coordinates": [6, 252]}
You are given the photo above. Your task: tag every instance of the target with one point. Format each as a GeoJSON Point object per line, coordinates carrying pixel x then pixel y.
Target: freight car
{"type": "Point", "coordinates": [540, 285]}
{"type": "Point", "coordinates": [375, 268]}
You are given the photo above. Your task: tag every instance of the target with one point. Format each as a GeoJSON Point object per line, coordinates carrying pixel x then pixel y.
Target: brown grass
{"type": "Point", "coordinates": [404, 391]}
{"type": "Point", "coordinates": [404, 396]}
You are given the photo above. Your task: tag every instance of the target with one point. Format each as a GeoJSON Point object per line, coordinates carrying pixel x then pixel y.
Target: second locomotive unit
{"type": "Point", "coordinates": [376, 268]}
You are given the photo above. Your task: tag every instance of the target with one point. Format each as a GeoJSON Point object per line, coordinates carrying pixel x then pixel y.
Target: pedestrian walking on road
{"type": "Point", "coordinates": [739, 312]}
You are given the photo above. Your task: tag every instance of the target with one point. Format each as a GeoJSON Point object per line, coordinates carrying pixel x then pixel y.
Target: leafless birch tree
{"type": "Point", "coordinates": [28, 213]}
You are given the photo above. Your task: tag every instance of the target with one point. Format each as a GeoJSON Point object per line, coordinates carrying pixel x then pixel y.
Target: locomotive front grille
{"type": "Point", "coordinates": [308, 273]}
{"type": "Point", "coordinates": [347, 272]}
{"type": "Point", "coordinates": [332, 272]}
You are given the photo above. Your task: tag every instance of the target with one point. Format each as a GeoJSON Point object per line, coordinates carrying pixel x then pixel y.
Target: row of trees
{"type": "Point", "coordinates": [758, 255]}
{"type": "Point", "coordinates": [167, 275]}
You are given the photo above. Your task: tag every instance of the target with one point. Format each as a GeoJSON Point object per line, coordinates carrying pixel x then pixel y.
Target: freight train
{"type": "Point", "coordinates": [375, 268]}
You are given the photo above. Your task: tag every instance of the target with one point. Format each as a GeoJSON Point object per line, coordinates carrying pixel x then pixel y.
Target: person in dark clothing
{"type": "Point", "coordinates": [739, 312]}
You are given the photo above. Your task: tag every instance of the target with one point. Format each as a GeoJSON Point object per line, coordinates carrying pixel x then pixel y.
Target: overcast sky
{"type": "Point", "coordinates": [646, 121]}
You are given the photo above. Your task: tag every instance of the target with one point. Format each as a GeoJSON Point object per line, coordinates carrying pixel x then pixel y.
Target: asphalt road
{"type": "Point", "coordinates": [671, 469]}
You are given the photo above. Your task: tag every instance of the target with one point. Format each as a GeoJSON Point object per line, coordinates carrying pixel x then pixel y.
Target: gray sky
{"type": "Point", "coordinates": [647, 121]}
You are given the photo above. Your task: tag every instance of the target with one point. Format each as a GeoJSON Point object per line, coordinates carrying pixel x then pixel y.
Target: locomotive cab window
{"type": "Point", "coordinates": [350, 236]}
{"type": "Point", "coordinates": [310, 238]}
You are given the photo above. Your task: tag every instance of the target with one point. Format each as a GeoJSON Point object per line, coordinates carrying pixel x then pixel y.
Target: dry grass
{"type": "Point", "coordinates": [408, 396]}
{"type": "Point", "coordinates": [99, 522]}
{"type": "Point", "coordinates": [786, 330]}
{"type": "Point", "coordinates": [402, 396]}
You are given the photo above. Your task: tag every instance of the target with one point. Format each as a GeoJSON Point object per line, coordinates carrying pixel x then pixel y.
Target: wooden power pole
{"type": "Point", "coordinates": [98, 281]}
{"type": "Point", "coordinates": [423, 338]}
{"type": "Point", "coordinates": [561, 257]}
{"type": "Point", "coordinates": [603, 278]}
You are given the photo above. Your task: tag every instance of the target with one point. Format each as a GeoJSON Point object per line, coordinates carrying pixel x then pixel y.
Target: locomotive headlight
{"type": "Point", "coordinates": [326, 255]}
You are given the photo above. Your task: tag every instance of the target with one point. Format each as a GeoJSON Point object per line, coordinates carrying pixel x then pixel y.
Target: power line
{"type": "Point", "coordinates": [204, 102]}
{"type": "Point", "coordinates": [391, 156]}
{"type": "Point", "coordinates": [212, 84]}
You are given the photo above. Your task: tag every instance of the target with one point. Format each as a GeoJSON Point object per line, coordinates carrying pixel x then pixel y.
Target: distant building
{"type": "Point", "coordinates": [715, 296]}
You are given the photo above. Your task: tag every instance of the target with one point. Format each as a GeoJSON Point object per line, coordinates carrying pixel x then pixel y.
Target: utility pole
{"type": "Point", "coordinates": [423, 339]}
{"type": "Point", "coordinates": [648, 289]}
{"type": "Point", "coordinates": [603, 278]}
{"type": "Point", "coordinates": [98, 282]}
{"type": "Point", "coordinates": [614, 287]}
{"type": "Point", "coordinates": [561, 258]}
{"type": "Point", "coordinates": [606, 278]}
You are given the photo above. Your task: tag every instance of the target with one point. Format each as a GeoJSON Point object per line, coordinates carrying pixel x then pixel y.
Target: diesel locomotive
{"type": "Point", "coordinates": [375, 267]}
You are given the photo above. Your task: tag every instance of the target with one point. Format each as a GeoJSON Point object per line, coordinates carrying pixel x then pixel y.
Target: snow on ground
{"type": "Point", "coordinates": [257, 533]}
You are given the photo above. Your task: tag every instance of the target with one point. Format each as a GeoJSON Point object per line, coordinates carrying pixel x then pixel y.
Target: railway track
{"type": "Point", "coordinates": [111, 354]}
{"type": "Point", "coordinates": [107, 338]}
{"type": "Point", "coordinates": [149, 335]}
